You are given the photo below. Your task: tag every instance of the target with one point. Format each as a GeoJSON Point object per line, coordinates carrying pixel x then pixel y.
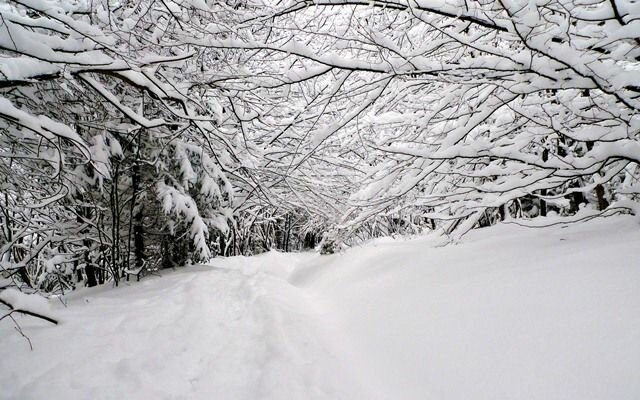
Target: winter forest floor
{"type": "Point", "coordinates": [509, 313]}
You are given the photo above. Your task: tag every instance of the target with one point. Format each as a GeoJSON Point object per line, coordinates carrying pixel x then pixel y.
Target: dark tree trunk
{"type": "Point", "coordinates": [602, 202]}
{"type": "Point", "coordinates": [222, 244]}
{"type": "Point", "coordinates": [138, 217]}
{"type": "Point", "coordinates": [287, 233]}
{"type": "Point", "coordinates": [543, 192]}
{"type": "Point", "coordinates": [577, 198]}
{"type": "Point", "coordinates": [115, 226]}
{"type": "Point", "coordinates": [92, 272]}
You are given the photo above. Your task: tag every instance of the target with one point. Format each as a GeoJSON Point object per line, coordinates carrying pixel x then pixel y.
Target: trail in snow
{"type": "Point", "coordinates": [235, 331]}
{"type": "Point", "coordinates": [510, 313]}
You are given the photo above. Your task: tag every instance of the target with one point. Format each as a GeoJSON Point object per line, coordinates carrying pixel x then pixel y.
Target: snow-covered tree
{"type": "Point", "coordinates": [109, 130]}
{"type": "Point", "coordinates": [173, 130]}
{"type": "Point", "coordinates": [468, 111]}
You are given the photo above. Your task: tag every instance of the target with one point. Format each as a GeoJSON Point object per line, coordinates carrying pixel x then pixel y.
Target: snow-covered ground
{"type": "Point", "coordinates": [510, 313]}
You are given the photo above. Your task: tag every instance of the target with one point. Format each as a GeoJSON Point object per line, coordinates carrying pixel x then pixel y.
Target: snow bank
{"type": "Point", "coordinates": [511, 313]}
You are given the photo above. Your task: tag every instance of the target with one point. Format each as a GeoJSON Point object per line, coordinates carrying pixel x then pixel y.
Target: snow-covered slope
{"type": "Point", "coordinates": [510, 313]}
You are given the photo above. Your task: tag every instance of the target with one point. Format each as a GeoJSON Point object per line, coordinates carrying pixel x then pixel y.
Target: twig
{"type": "Point", "coordinates": [19, 329]}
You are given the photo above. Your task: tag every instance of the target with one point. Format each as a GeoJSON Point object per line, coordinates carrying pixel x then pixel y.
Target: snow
{"type": "Point", "coordinates": [41, 124]}
{"type": "Point", "coordinates": [538, 314]}
{"type": "Point", "coordinates": [508, 313]}
{"type": "Point", "coordinates": [26, 302]}
{"type": "Point", "coordinates": [23, 68]}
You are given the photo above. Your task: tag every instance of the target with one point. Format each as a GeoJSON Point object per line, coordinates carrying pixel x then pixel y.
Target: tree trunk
{"type": "Point", "coordinates": [602, 202]}
{"type": "Point", "coordinates": [138, 217]}
{"type": "Point", "coordinates": [543, 192]}
{"type": "Point", "coordinates": [92, 272]}
{"type": "Point", "coordinates": [287, 232]}
{"type": "Point", "coordinates": [115, 225]}
{"type": "Point", "coordinates": [576, 198]}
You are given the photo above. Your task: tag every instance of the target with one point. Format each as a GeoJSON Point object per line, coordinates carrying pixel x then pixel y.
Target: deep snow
{"type": "Point", "coordinates": [510, 313]}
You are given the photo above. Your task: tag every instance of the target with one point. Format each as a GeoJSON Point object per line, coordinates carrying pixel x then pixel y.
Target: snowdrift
{"type": "Point", "coordinates": [510, 313]}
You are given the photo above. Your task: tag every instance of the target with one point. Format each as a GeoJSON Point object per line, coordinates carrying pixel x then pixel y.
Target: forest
{"type": "Point", "coordinates": [319, 199]}
{"type": "Point", "coordinates": [142, 135]}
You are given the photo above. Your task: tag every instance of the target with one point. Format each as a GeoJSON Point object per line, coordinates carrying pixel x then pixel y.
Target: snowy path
{"type": "Point", "coordinates": [232, 332]}
{"type": "Point", "coordinates": [510, 314]}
